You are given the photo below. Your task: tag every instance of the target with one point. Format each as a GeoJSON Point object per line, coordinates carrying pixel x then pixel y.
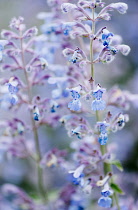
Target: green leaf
{"type": "Point", "coordinates": [116, 188]}
{"type": "Point", "coordinates": [118, 164]}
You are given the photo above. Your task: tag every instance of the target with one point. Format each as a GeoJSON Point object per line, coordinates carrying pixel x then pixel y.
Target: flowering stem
{"type": "Point", "coordinates": [36, 139]}
{"type": "Point", "coordinates": [103, 148]}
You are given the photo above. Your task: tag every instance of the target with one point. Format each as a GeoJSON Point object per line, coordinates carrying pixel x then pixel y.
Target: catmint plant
{"type": "Point", "coordinates": [18, 44]}
{"type": "Point", "coordinates": [85, 20]}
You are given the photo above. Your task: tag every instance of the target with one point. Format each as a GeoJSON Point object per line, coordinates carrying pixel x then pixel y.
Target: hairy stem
{"type": "Point", "coordinates": [42, 191]}
{"type": "Point", "coordinates": [91, 45]}
{"type": "Point", "coordinates": [103, 148]}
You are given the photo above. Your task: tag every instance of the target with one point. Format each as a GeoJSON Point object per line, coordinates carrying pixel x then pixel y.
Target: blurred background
{"type": "Point", "coordinates": [123, 71]}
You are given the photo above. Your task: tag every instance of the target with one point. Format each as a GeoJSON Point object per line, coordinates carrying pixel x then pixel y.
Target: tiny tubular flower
{"type": "Point", "coordinates": [98, 103]}
{"type": "Point", "coordinates": [12, 85]}
{"type": "Point", "coordinates": [102, 182]}
{"type": "Point", "coordinates": [103, 138]}
{"type": "Point", "coordinates": [106, 37]}
{"type": "Point", "coordinates": [36, 113]}
{"type": "Point", "coordinates": [78, 171]}
{"type": "Point", "coordinates": [75, 104]}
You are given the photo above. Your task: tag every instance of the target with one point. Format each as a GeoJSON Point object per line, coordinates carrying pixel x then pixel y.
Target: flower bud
{"type": "Point", "coordinates": [120, 7]}
{"type": "Point", "coordinates": [68, 7]}
{"type": "Point", "coordinates": [124, 49]}
{"type": "Point", "coordinates": [30, 32]}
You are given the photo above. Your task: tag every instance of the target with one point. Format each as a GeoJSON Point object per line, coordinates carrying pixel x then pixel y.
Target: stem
{"type": "Point", "coordinates": [103, 148]}
{"type": "Point", "coordinates": [91, 45]}
{"type": "Point", "coordinates": [43, 193]}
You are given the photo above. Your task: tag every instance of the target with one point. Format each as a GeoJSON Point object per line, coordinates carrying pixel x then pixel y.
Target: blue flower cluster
{"type": "Point", "coordinates": [98, 103]}
{"type": "Point", "coordinates": [103, 138]}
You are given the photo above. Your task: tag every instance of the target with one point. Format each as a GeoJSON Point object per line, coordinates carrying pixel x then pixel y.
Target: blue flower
{"type": "Point", "coordinates": [74, 105]}
{"type": "Point", "coordinates": [36, 113]}
{"type": "Point", "coordinates": [51, 28]}
{"type": "Point", "coordinates": [13, 99]}
{"type": "Point", "coordinates": [20, 128]}
{"type": "Point", "coordinates": [12, 89]}
{"type": "Point", "coordinates": [1, 47]}
{"type": "Point", "coordinates": [2, 44]}
{"type": "Point", "coordinates": [102, 126]}
{"type": "Point", "coordinates": [67, 27]}
{"type": "Point", "coordinates": [106, 36]}
{"type": "Point", "coordinates": [75, 94]}
{"type": "Point", "coordinates": [65, 93]}
{"type": "Point", "coordinates": [77, 132]}
{"type": "Point", "coordinates": [98, 105]}
{"type": "Point", "coordinates": [98, 94]}
{"type": "Point", "coordinates": [105, 193]}
{"type": "Point", "coordinates": [53, 108]}
{"type": "Point", "coordinates": [77, 181]}
{"type": "Point", "coordinates": [103, 138]}
{"type": "Point", "coordinates": [76, 57]}
{"type": "Point", "coordinates": [113, 50]}
{"type": "Point", "coordinates": [36, 117]}
{"type": "Point", "coordinates": [105, 202]}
